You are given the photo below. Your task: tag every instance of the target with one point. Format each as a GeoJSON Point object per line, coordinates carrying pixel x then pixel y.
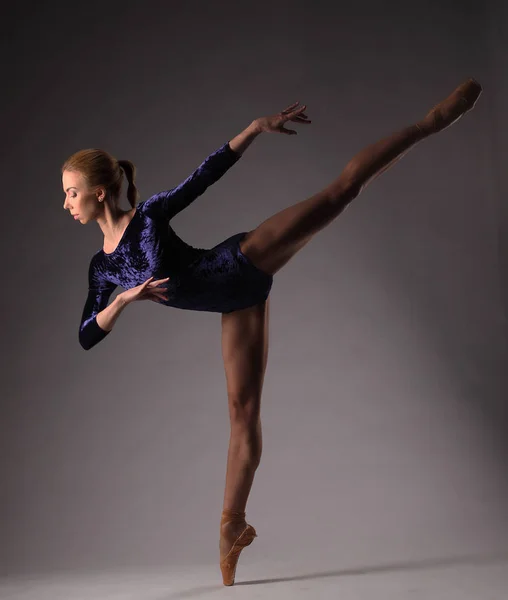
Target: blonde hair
{"type": "Point", "coordinates": [99, 168]}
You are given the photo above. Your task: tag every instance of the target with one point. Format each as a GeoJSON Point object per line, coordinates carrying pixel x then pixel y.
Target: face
{"type": "Point", "coordinates": [80, 200]}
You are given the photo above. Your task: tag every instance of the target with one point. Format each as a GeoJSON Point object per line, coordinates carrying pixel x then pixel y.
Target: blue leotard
{"type": "Point", "coordinates": [219, 279]}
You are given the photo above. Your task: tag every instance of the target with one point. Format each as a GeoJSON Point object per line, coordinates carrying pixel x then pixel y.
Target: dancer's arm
{"type": "Point", "coordinates": [166, 204]}
{"type": "Point", "coordinates": [169, 203]}
{"type": "Point", "coordinates": [243, 140]}
{"type": "Point", "coordinates": [98, 318]}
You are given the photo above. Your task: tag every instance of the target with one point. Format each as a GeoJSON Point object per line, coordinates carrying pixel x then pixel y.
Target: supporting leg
{"type": "Point", "coordinates": [245, 352]}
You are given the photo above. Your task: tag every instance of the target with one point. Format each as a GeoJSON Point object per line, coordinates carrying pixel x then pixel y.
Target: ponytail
{"type": "Point", "coordinates": [130, 173]}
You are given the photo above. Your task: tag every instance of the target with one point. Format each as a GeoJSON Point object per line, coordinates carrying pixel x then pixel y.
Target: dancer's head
{"type": "Point", "coordinates": [92, 178]}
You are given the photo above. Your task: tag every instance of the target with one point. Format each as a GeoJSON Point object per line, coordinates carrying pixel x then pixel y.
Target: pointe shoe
{"type": "Point", "coordinates": [450, 110]}
{"type": "Point", "coordinates": [228, 563]}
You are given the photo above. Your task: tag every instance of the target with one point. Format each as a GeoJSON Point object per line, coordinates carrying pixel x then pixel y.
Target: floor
{"type": "Point", "coordinates": [459, 578]}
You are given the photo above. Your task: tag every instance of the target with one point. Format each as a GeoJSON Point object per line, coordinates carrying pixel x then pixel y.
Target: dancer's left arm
{"type": "Point", "coordinates": [168, 203]}
{"type": "Point", "coordinates": [243, 140]}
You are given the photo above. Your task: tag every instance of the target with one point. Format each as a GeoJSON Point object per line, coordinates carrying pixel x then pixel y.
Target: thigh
{"type": "Point", "coordinates": [277, 239]}
{"type": "Point", "coordinates": [245, 353]}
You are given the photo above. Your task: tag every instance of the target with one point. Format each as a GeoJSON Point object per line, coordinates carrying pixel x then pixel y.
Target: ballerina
{"type": "Point", "coordinates": [143, 254]}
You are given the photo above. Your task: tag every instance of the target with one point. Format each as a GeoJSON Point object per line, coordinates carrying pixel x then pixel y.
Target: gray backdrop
{"type": "Point", "coordinates": [384, 407]}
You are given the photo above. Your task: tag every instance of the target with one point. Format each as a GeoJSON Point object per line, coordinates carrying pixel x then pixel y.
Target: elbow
{"type": "Point", "coordinates": [91, 334]}
{"type": "Point", "coordinates": [84, 343]}
{"type": "Point", "coordinates": [85, 340]}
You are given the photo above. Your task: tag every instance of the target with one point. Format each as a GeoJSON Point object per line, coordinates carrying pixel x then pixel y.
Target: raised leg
{"type": "Point", "coordinates": [275, 241]}
{"type": "Point", "coordinates": [245, 352]}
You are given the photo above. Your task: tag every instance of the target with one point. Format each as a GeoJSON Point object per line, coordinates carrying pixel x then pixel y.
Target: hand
{"type": "Point", "coordinates": [149, 290]}
{"type": "Point", "coordinates": [275, 123]}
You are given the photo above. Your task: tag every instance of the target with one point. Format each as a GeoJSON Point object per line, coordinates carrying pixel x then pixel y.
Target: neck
{"type": "Point", "coordinates": [113, 221]}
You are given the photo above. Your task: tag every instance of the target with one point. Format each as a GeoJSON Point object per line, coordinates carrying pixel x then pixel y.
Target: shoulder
{"type": "Point", "coordinates": [143, 207]}
{"type": "Point", "coordinates": [140, 206]}
{"type": "Point", "coordinates": [154, 207]}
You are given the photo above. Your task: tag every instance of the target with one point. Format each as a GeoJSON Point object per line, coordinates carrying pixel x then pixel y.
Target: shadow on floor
{"type": "Point", "coordinates": [392, 567]}
{"type": "Point", "coordinates": [485, 559]}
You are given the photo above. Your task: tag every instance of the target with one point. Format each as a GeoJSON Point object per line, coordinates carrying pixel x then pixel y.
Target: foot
{"type": "Point", "coordinates": [451, 109]}
{"type": "Point", "coordinates": [235, 535]}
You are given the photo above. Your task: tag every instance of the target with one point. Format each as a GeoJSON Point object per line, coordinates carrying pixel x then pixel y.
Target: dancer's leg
{"type": "Point", "coordinates": [244, 351]}
{"type": "Point", "coordinates": [271, 245]}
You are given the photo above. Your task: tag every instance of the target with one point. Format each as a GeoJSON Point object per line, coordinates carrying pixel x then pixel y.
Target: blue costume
{"type": "Point", "coordinates": [219, 279]}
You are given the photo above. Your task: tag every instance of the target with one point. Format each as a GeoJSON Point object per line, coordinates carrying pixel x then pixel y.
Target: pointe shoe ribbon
{"type": "Point", "coordinates": [229, 562]}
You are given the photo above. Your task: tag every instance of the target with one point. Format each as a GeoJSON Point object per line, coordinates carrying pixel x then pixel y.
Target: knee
{"type": "Point", "coordinates": [244, 410]}
{"type": "Point", "coordinates": [345, 189]}
{"type": "Point", "coordinates": [247, 443]}
{"type": "Point", "coordinates": [246, 429]}
{"type": "Point", "coordinates": [351, 174]}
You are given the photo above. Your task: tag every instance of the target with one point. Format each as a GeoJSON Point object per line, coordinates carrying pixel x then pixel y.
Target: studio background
{"type": "Point", "coordinates": [384, 404]}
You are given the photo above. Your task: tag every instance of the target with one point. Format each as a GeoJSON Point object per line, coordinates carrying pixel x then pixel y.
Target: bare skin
{"type": "Point", "coordinates": [93, 204]}
{"type": "Point", "coordinates": [245, 353]}
{"type": "Point", "coordinates": [270, 246]}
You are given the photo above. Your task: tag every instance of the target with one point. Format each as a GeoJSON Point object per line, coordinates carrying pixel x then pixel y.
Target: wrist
{"type": "Point", "coordinates": [121, 300]}
{"type": "Point", "coordinates": [255, 127]}
{"type": "Point", "coordinates": [244, 139]}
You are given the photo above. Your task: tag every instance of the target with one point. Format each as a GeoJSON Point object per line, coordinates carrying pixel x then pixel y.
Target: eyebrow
{"type": "Point", "coordinates": [71, 188]}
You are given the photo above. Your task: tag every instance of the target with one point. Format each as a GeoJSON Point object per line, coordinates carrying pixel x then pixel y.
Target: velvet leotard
{"type": "Point", "coordinates": [219, 279]}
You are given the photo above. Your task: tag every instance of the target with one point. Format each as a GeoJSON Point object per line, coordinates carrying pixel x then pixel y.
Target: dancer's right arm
{"type": "Point", "coordinates": [98, 318]}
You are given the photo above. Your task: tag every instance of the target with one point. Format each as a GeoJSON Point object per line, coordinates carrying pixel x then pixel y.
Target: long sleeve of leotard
{"type": "Point", "coordinates": [99, 292]}
{"type": "Point", "coordinates": [169, 203]}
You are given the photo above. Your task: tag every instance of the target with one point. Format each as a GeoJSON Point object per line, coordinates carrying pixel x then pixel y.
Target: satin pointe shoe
{"type": "Point", "coordinates": [245, 538]}
{"type": "Point", "coordinates": [459, 102]}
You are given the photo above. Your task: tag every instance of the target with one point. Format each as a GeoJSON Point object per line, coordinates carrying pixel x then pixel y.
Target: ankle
{"type": "Point", "coordinates": [231, 520]}
{"type": "Point", "coordinates": [230, 513]}
{"type": "Point", "coordinates": [232, 516]}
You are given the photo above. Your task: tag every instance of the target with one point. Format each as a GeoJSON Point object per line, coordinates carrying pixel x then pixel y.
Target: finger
{"type": "Point", "coordinates": [293, 116]}
{"type": "Point", "coordinates": [290, 107]}
{"type": "Point", "coordinates": [162, 296]}
{"type": "Point", "coordinates": [147, 281]}
{"type": "Point", "coordinates": [158, 288]}
{"type": "Point", "coordinates": [289, 114]}
{"type": "Point", "coordinates": [158, 281]}
{"type": "Point", "coordinates": [288, 131]}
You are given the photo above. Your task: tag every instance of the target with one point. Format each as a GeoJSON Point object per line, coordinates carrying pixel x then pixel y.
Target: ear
{"type": "Point", "coordinates": [100, 193]}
